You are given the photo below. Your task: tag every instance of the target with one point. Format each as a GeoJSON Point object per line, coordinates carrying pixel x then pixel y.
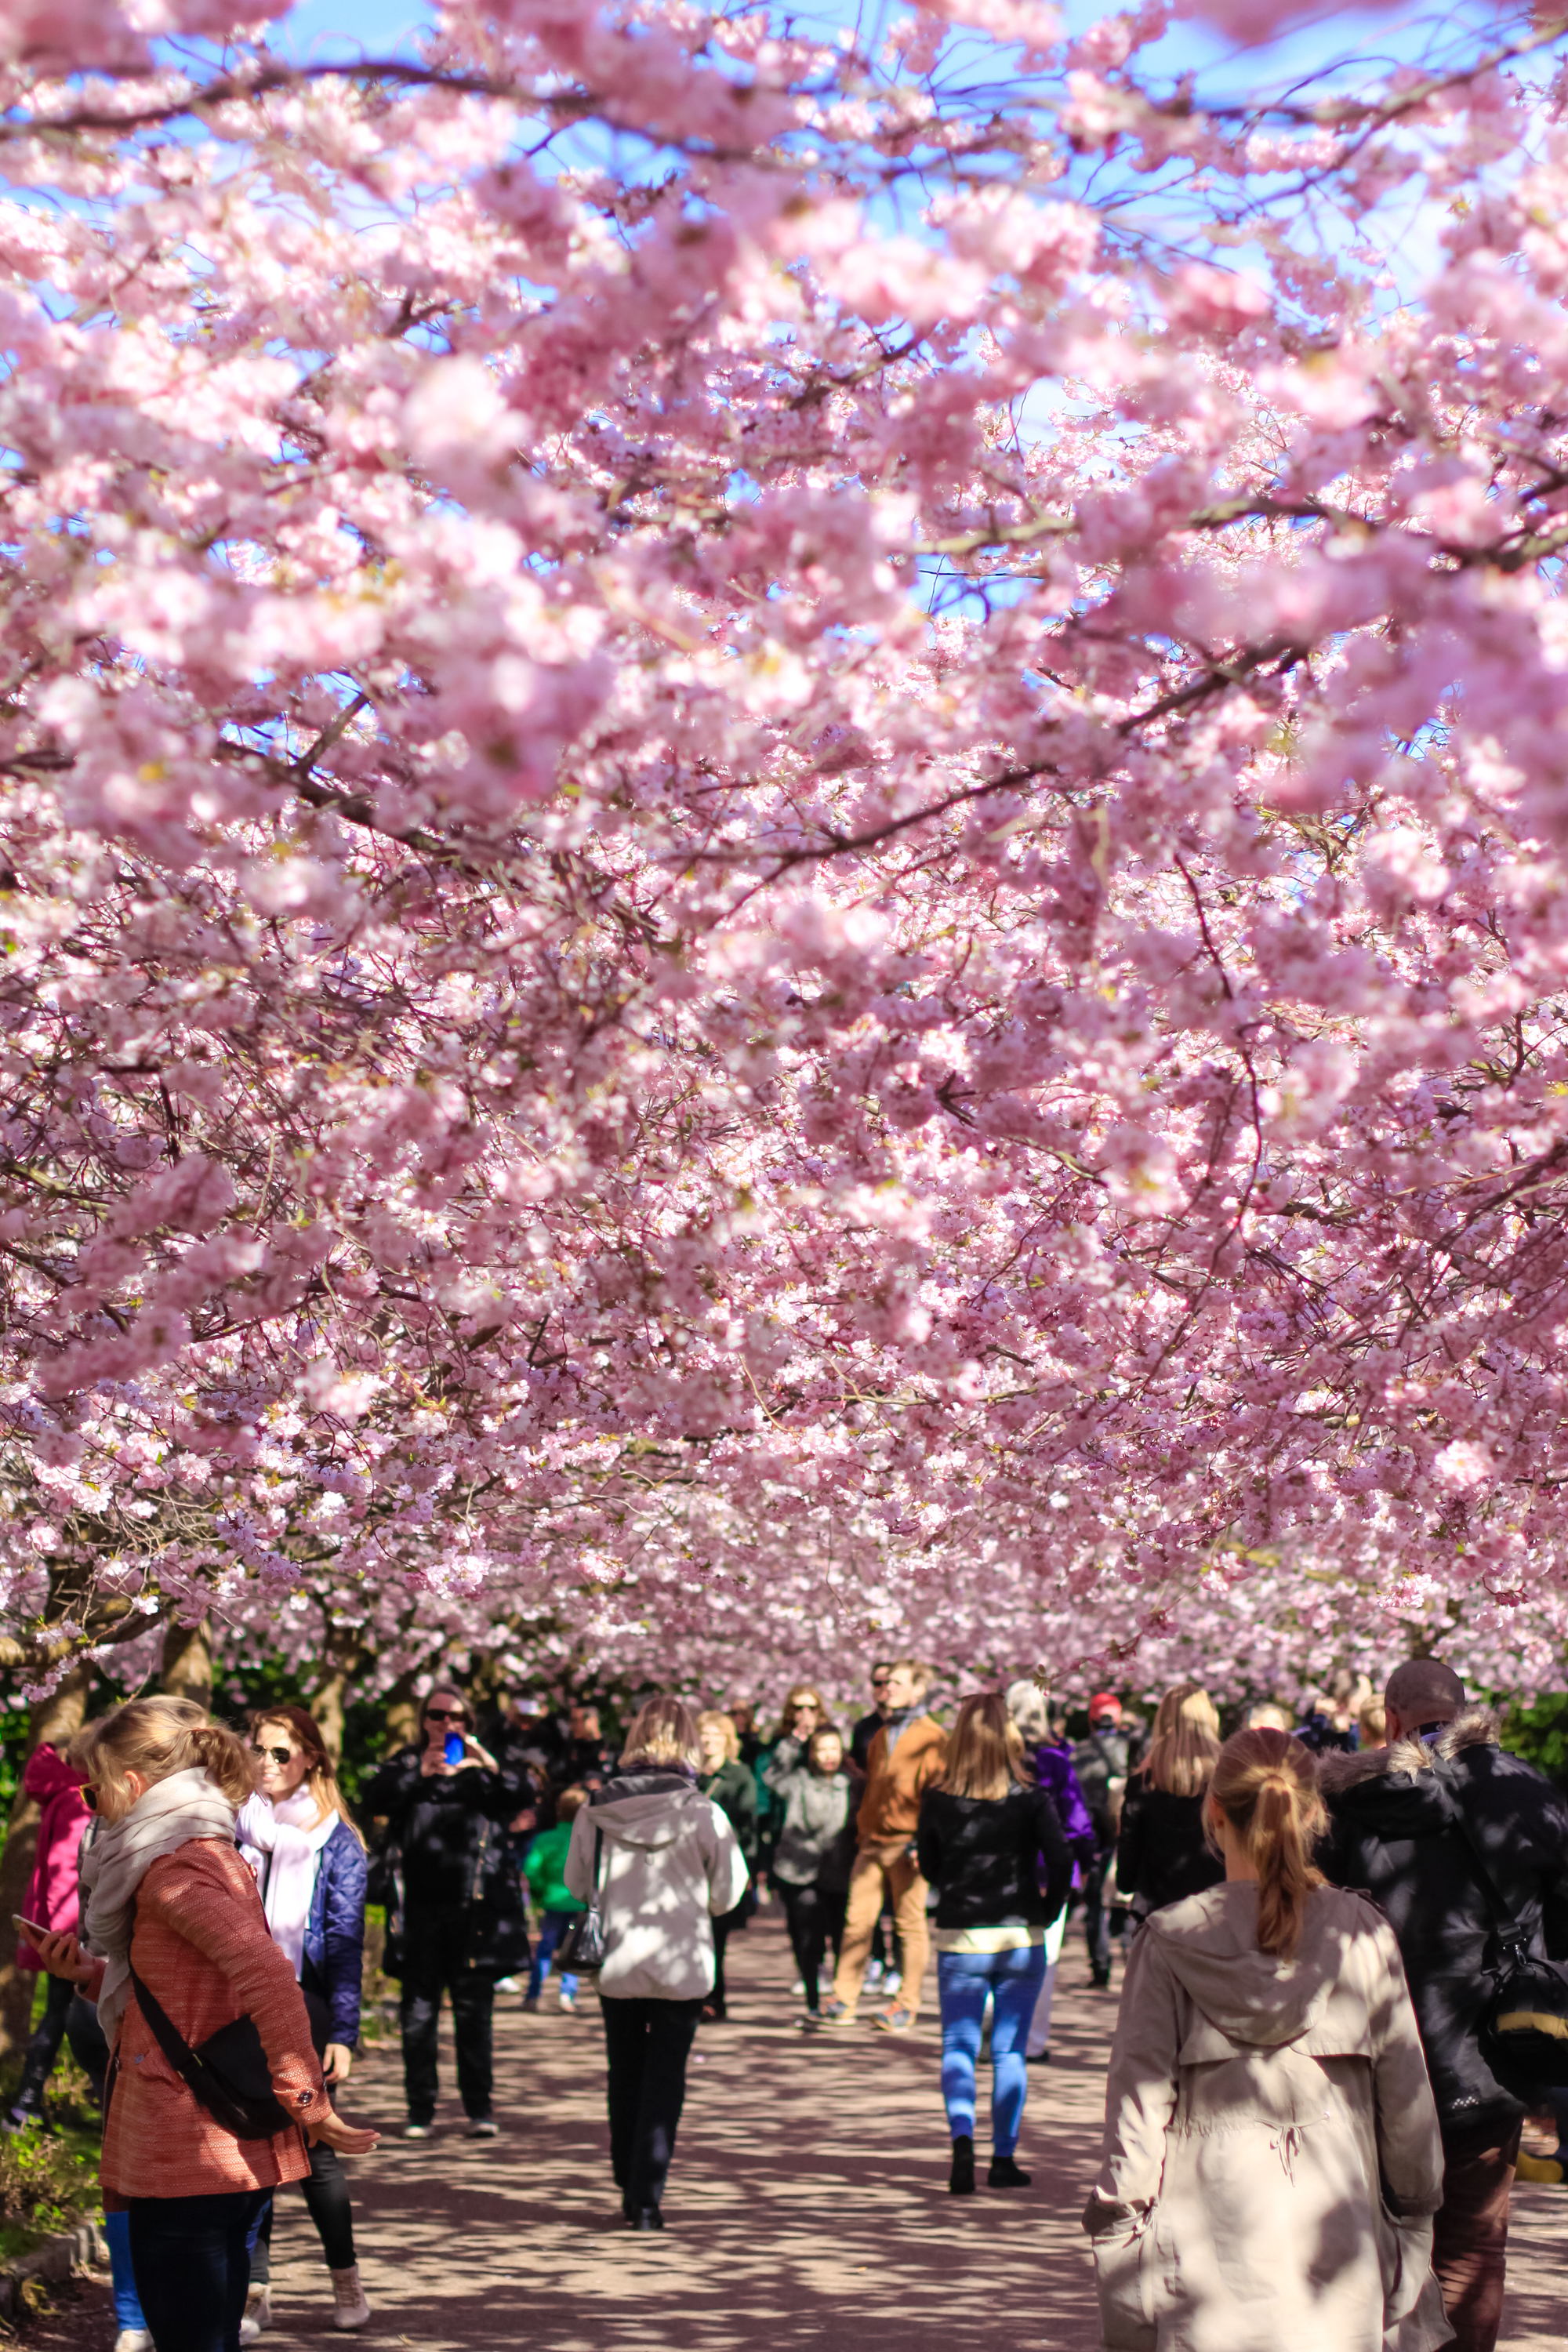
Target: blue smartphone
{"type": "Point", "coordinates": [456, 1750]}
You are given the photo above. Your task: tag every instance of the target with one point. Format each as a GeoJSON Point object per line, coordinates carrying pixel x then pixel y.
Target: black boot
{"type": "Point", "coordinates": [647, 2217]}
{"type": "Point", "coordinates": [1004, 2174]}
{"type": "Point", "coordinates": [961, 2180]}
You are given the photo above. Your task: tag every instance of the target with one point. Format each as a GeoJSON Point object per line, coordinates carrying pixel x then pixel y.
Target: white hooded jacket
{"type": "Point", "coordinates": [670, 1866]}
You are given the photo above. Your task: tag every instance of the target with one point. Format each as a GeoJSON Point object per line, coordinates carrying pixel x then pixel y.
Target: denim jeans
{"type": "Point", "coordinates": [192, 2267]}
{"type": "Point", "coordinates": [962, 1981]}
{"type": "Point", "coordinates": [551, 1927]}
{"type": "Point", "coordinates": [127, 2307]}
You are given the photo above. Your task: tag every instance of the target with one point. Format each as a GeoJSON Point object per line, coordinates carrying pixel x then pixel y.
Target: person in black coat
{"type": "Point", "coordinates": [462, 1920]}
{"type": "Point", "coordinates": [1162, 1853]}
{"type": "Point", "coordinates": [1401, 1822]}
{"type": "Point", "coordinates": [990, 1845]}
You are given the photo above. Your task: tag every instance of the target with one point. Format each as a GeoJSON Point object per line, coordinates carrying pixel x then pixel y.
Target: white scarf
{"type": "Point", "coordinates": [290, 1832]}
{"type": "Point", "coordinates": [172, 1812]}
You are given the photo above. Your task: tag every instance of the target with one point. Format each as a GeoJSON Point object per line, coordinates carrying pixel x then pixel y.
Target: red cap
{"type": "Point", "coordinates": [1104, 1702]}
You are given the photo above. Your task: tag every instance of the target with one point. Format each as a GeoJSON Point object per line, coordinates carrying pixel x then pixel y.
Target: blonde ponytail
{"type": "Point", "coordinates": [1266, 1784]}
{"type": "Point", "coordinates": [159, 1737]}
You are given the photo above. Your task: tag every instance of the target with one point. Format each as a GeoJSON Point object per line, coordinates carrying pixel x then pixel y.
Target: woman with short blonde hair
{"type": "Point", "coordinates": [663, 1733]}
{"type": "Point", "coordinates": [1162, 1855]}
{"type": "Point", "coordinates": [172, 1908]}
{"type": "Point", "coordinates": [1272, 2154]}
{"type": "Point", "coordinates": [663, 1864]}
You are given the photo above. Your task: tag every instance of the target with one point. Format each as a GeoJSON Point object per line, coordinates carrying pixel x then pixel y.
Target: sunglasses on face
{"type": "Point", "coordinates": [281, 1755]}
{"type": "Point", "coordinates": [880, 1682]}
{"type": "Point", "coordinates": [89, 1796]}
{"type": "Point", "coordinates": [445, 1714]}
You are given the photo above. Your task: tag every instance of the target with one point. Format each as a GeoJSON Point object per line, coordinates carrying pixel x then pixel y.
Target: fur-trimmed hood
{"type": "Point", "coordinates": [1478, 1727]}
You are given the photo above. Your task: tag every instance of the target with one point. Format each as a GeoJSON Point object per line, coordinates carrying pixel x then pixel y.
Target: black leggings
{"type": "Point", "coordinates": [815, 1916]}
{"type": "Point", "coordinates": [327, 2201]}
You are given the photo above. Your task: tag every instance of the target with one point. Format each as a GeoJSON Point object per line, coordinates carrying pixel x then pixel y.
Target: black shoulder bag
{"type": "Point", "coordinates": [1523, 2032]}
{"type": "Point", "coordinates": [581, 1951]}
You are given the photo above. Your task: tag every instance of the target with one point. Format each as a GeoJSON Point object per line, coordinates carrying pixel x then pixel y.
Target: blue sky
{"type": "Point", "coordinates": [1357, 37]}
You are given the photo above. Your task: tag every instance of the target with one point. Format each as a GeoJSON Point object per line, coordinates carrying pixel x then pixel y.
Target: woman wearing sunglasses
{"type": "Point", "coordinates": [310, 1865]}
{"type": "Point", "coordinates": [447, 1804]}
{"type": "Point", "coordinates": [177, 1934]}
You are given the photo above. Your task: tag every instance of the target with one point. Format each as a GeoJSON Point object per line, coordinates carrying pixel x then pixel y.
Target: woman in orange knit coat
{"type": "Point", "coordinates": [169, 1899]}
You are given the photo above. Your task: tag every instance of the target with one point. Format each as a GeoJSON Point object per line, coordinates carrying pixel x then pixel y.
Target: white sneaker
{"type": "Point", "coordinates": [133, 2339]}
{"type": "Point", "coordinates": [418, 2131]}
{"type": "Point", "coordinates": [350, 2308]}
{"type": "Point", "coordinates": [798, 1988]}
{"type": "Point", "coordinates": [507, 1984]}
{"type": "Point", "coordinates": [892, 1980]}
{"type": "Point", "coordinates": [873, 1975]}
{"type": "Point", "coordinates": [258, 2314]}
{"type": "Point", "coordinates": [486, 2128]}
{"type": "Point", "coordinates": [569, 2003]}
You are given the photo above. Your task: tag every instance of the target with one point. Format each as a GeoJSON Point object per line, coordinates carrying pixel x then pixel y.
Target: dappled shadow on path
{"type": "Point", "coordinates": [807, 2204]}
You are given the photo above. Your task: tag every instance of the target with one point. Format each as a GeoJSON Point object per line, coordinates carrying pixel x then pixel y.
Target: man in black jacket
{"type": "Point", "coordinates": [1403, 1817]}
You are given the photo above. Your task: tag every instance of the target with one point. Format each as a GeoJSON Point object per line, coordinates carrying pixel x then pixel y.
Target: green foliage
{"type": "Point", "coordinates": [49, 2179]}
{"type": "Point", "coordinates": [1539, 1732]}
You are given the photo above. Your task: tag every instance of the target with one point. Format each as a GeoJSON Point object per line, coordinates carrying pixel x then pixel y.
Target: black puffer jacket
{"type": "Point", "coordinates": [447, 1840]}
{"type": "Point", "coordinates": [1161, 1853]}
{"type": "Point", "coordinates": [987, 1857]}
{"type": "Point", "coordinates": [1393, 1836]}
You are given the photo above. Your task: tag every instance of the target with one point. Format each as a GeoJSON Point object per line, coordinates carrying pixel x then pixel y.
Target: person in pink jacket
{"type": "Point", "coordinates": [55, 1782]}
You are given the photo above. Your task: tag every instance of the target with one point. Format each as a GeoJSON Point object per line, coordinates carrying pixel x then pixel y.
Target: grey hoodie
{"type": "Point", "coordinates": [1271, 2156]}
{"type": "Point", "coordinates": [671, 1865]}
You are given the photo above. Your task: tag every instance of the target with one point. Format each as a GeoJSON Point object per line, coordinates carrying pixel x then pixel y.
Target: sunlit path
{"type": "Point", "coordinates": [807, 2206]}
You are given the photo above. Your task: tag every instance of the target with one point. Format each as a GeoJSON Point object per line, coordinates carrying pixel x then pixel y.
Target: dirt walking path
{"type": "Point", "coordinates": [807, 2206]}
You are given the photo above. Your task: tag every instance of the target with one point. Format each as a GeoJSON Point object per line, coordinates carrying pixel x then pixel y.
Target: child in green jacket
{"type": "Point", "coordinates": [557, 1903]}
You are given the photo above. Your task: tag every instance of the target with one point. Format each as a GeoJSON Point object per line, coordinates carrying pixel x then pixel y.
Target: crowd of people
{"type": "Point", "coordinates": [1337, 1931]}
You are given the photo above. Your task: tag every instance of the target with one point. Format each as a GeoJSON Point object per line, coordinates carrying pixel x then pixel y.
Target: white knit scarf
{"type": "Point", "coordinates": [289, 1832]}
{"type": "Point", "coordinates": [186, 1805]}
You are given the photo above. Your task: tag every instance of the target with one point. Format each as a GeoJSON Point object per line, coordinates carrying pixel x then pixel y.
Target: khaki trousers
{"type": "Point", "coordinates": [888, 1864]}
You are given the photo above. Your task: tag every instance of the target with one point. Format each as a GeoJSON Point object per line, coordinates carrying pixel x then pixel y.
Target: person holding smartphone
{"type": "Point", "coordinates": [447, 1804]}
{"type": "Point", "coordinates": [180, 1948]}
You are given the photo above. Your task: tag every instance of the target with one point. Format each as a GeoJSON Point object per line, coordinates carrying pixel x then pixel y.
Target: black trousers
{"type": "Point", "coordinates": [1097, 1920]}
{"type": "Point", "coordinates": [816, 1917]}
{"type": "Point", "coordinates": [724, 1928]}
{"type": "Point", "coordinates": [433, 1961]}
{"type": "Point", "coordinates": [648, 2043]}
{"type": "Point", "coordinates": [45, 2046]}
{"type": "Point", "coordinates": [192, 2269]}
{"type": "Point", "coordinates": [327, 2202]}
{"type": "Point", "coordinates": [88, 2047]}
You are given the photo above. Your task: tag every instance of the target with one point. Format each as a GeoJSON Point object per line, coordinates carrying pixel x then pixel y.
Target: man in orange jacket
{"type": "Point", "coordinates": [906, 1755]}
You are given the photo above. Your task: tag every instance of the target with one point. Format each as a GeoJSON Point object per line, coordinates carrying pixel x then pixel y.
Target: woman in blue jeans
{"type": "Point", "coordinates": [991, 1845]}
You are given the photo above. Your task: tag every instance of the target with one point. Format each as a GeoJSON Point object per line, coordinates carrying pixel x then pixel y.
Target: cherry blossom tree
{"type": "Point", "coordinates": [783, 842]}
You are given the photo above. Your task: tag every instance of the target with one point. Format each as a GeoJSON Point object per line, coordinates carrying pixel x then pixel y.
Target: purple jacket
{"type": "Point", "coordinates": [1055, 1775]}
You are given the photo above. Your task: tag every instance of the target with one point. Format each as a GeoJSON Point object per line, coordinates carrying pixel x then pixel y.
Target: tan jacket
{"type": "Point", "coordinates": [895, 1784]}
{"type": "Point", "coordinates": [1257, 2115]}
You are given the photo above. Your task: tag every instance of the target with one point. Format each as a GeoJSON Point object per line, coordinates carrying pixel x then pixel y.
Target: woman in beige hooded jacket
{"type": "Point", "coordinates": [1272, 2159]}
